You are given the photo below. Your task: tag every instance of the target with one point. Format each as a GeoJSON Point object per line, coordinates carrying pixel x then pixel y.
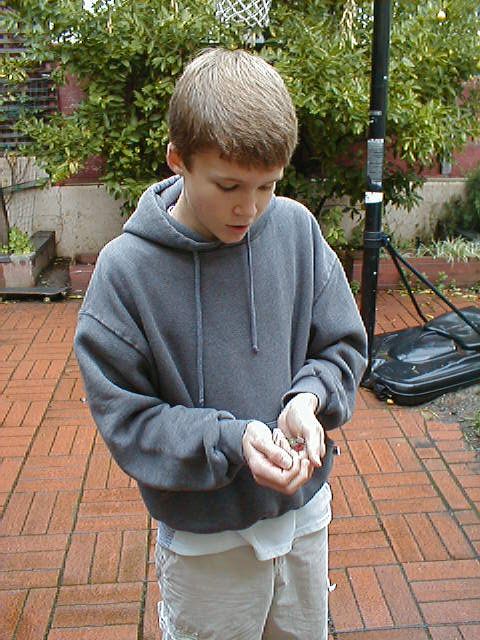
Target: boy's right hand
{"type": "Point", "coordinates": [274, 465]}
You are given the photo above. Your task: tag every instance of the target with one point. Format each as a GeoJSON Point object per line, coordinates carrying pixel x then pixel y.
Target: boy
{"type": "Point", "coordinates": [217, 340]}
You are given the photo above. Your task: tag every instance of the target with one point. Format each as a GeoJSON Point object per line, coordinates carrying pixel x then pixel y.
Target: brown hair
{"type": "Point", "coordinates": [236, 102]}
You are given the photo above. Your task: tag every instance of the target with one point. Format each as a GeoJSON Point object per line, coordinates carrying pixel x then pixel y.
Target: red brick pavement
{"type": "Point", "coordinates": [76, 545]}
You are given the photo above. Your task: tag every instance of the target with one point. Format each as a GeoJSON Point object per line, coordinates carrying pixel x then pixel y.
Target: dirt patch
{"type": "Point", "coordinates": [460, 406]}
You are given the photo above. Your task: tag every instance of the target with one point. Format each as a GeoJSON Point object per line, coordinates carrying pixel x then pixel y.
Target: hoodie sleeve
{"type": "Point", "coordinates": [337, 350]}
{"type": "Point", "coordinates": [171, 448]}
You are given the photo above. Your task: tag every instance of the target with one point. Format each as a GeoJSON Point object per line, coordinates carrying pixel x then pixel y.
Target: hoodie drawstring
{"type": "Point", "coordinates": [198, 308]}
{"type": "Point", "coordinates": [199, 318]}
{"type": "Point", "coordinates": [251, 292]}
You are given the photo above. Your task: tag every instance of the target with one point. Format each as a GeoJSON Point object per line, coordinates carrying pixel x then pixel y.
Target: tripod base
{"type": "Point", "coordinates": [416, 365]}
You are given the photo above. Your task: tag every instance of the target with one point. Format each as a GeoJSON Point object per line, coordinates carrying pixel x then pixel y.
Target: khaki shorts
{"type": "Point", "coordinates": [234, 596]}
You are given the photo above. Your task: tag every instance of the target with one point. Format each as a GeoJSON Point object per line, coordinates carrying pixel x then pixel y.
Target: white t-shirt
{"type": "Point", "coordinates": [269, 538]}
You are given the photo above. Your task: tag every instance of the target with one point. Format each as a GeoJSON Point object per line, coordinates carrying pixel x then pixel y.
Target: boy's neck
{"type": "Point", "coordinates": [177, 211]}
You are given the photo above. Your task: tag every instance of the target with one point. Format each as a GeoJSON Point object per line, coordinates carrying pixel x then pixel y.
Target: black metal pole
{"type": "Point", "coordinates": [375, 161]}
{"type": "Point", "coordinates": [4, 226]}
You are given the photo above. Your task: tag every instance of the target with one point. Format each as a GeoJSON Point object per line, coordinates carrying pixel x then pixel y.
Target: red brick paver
{"type": "Point", "coordinates": [76, 545]}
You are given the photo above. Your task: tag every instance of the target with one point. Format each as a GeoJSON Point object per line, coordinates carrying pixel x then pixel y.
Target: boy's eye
{"type": "Point", "coordinates": [265, 187]}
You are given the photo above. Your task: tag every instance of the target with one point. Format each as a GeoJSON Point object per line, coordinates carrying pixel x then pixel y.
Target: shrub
{"type": "Point", "coordinates": [462, 214]}
{"type": "Point", "coordinates": [18, 243]}
{"type": "Point", "coordinates": [128, 54]}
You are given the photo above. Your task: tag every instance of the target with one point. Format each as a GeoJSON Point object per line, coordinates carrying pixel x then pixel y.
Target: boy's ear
{"type": "Point", "coordinates": [174, 159]}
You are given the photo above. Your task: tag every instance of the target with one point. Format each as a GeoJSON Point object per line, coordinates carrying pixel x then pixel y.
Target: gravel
{"type": "Point", "coordinates": [460, 406]}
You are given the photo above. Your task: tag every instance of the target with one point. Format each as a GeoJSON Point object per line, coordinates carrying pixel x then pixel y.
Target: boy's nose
{"type": "Point", "coordinates": [248, 208]}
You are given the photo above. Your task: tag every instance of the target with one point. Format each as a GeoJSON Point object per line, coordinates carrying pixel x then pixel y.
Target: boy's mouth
{"type": "Point", "coordinates": [238, 227]}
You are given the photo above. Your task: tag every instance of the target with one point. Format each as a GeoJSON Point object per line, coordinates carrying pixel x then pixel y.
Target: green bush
{"type": "Point", "coordinates": [451, 249]}
{"type": "Point", "coordinates": [462, 214]}
{"type": "Point", "coordinates": [128, 54]}
{"type": "Point", "coordinates": [472, 205]}
{"type": "Point", "coordinates": [469, 212]}
{"type": "Point", "coordinates": [18, 243]}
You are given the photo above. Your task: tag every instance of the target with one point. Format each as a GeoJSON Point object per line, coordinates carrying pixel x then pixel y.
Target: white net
{"type": "Point", "coordinates": [253, 13]}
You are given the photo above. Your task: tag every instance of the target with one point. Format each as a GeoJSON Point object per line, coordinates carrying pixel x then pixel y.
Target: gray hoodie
{"type": "Point", "coordinates": [182, 342]}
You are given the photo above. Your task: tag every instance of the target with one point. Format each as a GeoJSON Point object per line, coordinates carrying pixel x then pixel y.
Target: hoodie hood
{"type": "Point", "coordinates": [152, 221]}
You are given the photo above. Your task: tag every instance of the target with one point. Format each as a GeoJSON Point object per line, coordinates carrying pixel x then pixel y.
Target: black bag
{"type": "Point", "coordinates": [413, 366]}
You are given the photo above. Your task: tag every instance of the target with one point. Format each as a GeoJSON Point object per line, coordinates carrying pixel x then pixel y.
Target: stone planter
{"type": "Point", "coordinates": [22, 271]}
{"type": "Point", "coordinates": [81, 271]}
{"type": "Point", "coordinates": [461, 274]}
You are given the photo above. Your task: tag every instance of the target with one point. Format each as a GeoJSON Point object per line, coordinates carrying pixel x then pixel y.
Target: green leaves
{"type": "Point", "coordinates": [127, 55]}
{"type": "Point", "coordinates": [434, 104]}
{"type": "Point", "coordinates": [18, 243]}
{"type": "Point", "coordinates": [463, 213]}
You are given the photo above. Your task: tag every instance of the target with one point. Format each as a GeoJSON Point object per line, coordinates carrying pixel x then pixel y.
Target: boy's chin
{"type": "Point", "coordinates": [233, 235]}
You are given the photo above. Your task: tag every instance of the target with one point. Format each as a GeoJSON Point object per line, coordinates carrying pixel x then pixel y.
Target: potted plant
{"type": "Point", "coordinates": [24, 257]}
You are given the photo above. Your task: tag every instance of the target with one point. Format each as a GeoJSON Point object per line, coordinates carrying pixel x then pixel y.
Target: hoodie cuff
{"type": "Point", "coordinates": [308, 385]}
{"type": "Point", "coordinates": [230, 441]}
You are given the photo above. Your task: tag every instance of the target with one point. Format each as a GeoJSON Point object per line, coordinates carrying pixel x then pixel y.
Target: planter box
{"type": "Point", "coordinates": [80, 272]}
{"type": "Point", "coordinates": [22, 271]}
{"type": "Point", "coordinates": [462, 274]}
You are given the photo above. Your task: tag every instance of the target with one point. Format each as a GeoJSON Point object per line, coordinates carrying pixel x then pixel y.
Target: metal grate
{"type": "Point", "coordinates": [35, 96]}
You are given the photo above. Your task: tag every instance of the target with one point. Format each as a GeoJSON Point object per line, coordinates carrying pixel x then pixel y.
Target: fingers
{"type": "Point", "coordinates": [315, 445]}
{"type": "Point", "coordinates": [304, 475]}
{"type": "Point", "coordinates": [263, 454]}
{"type": "Point", "coordinates": [298, 420]}
{"type": "Point", "coordinates": [273, 449]}
{"type": "Point", "coordinates": [272, 461]}
{"type": "Point", "coordinates": [281, 440]}
{"type": "Point", "coordinates": [268, 475]}
{"type": "Point", "coordinates": [286, 482]}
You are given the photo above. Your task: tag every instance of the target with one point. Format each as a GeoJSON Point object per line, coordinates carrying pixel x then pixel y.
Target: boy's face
{"type": "Point", "coordinates": [221, 199]}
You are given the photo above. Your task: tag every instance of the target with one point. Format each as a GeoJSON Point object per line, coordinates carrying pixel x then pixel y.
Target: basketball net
{"type": "Point", "coordinates": [252, 13]}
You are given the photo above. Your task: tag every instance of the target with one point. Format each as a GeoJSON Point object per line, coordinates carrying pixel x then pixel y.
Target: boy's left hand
{"type": "Point", "coordinates": [298, 420]}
